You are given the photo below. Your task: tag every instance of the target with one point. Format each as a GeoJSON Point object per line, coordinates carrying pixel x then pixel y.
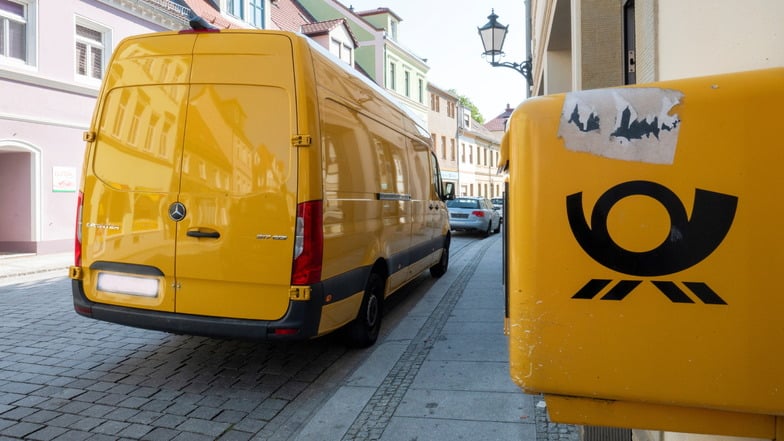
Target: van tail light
{"type": "Point", "coordinates": [478, 213]}
{"type": "Point", "coordinates": [78, 235]}
{"type": "Point", "coordinates": [308, 244]}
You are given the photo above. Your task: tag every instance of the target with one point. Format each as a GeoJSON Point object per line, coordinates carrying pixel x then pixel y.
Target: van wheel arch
{"type": "Point", "coordinates": [363, 331]}
{"type": "Point", "coordinates": [442, 266]}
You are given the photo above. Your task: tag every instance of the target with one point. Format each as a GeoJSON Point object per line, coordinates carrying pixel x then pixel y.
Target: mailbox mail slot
{"type": "Point", "coordinates": [646, 254]}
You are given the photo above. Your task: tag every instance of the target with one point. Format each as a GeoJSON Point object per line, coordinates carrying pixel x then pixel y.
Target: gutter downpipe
{"type": "Point", "coordinates": [528, 38]}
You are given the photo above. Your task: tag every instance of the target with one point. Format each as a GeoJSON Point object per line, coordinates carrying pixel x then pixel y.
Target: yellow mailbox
{"type": "Point", "coordinates": [646, 254]}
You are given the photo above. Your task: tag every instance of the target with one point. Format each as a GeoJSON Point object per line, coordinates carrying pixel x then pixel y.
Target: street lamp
{"type": "Point", "coordinates": [493, 35]}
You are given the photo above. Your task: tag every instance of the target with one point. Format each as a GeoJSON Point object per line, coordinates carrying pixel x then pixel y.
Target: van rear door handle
{"type": "Point", "coordinates": [203, 234]}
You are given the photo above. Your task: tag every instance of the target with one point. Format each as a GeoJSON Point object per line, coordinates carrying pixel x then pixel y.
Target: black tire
{"type": "Point", "coordinates": [489, 229]}
{"type": "Point", "coordinates": [498, 229]}
{"type": "Point", "coordinates": [363, 331]}
{"type": "Point", "coordinates": [442, 266]}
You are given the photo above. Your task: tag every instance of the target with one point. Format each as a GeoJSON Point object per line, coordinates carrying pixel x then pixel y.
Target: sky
{"type": "Point", "coordinates": [444, 32]}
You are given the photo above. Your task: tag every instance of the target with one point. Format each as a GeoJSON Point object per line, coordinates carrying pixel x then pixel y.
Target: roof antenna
{"type": "Point", "coordinates": [198, 23]}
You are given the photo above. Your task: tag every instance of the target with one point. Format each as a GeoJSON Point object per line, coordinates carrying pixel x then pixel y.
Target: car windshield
{"type": "Point", "coordinates": [498, 201]}
{"type": "Point", "coordinates": [463, 203]}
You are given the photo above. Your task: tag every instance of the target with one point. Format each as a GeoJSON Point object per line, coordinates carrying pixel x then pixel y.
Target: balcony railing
{"type": "Point", "coordinates": [170, 7]}
{"type": "Point", "coordinates": [167, 10]}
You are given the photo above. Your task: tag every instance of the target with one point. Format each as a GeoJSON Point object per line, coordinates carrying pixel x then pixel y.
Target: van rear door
{"type": "Point", "coordinates": [238, 181]}
{"type": "Point", "coordinates": [190, 197]}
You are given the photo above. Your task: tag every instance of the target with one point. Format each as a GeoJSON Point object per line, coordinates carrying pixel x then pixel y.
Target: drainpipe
{"type": "Point", "coordinates": [528, 23]}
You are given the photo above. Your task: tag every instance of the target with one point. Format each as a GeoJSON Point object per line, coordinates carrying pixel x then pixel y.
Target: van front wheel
{"type": "Point", "coordinates": [440, 268]}
{"type": "Point", "coordinates": [363, 331]}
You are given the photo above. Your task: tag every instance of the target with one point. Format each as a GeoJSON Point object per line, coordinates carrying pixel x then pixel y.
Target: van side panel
{"type": "Point", "coordinates": [378, 199]}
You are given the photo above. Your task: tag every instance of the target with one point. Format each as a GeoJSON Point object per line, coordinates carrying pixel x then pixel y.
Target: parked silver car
{"type": "Point", "coordinates": [473, 214]}
{"type": "Point", "coordinates": [498, 204]}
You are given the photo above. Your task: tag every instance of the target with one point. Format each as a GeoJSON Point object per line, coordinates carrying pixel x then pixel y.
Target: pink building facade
{"type": "Point", "coordinates": [52, 57]}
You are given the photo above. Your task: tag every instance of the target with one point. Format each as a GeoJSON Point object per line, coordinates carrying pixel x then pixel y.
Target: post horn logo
{"type": "Point", "coordinates": [690, 240]}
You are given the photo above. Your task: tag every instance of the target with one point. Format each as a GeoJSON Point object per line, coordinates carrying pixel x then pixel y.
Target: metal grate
{"type": "Point", "coordinates": [605, 434]}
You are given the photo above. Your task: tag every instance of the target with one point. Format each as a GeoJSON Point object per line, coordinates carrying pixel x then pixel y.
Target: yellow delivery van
{"type": "Point", "coordinates": [247, 184]}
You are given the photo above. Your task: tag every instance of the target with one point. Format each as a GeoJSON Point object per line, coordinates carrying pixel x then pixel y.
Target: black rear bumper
{"type": "Point", "coordinates": [302, 316]}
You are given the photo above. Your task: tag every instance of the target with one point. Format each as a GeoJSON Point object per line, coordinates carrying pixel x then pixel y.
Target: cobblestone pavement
{"type": "Point", "coordinates": [64, 377]}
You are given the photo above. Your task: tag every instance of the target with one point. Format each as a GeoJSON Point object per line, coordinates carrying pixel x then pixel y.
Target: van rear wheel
{"type": "Point", "coordinates": [363, 331]}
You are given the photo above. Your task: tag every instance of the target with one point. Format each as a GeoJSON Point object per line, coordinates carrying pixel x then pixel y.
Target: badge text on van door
{"type": "Point", "coordinates": [690, 240]}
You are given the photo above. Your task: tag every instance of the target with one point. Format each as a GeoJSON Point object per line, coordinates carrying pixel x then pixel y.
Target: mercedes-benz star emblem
{"type": "Point", "coordinates": [177, 211]}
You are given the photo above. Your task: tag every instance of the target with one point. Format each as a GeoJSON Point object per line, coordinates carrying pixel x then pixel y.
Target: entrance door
{"type": "Point", "coordinates": [16, 202]}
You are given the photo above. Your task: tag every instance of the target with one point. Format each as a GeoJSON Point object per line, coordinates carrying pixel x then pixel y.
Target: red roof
{"type": "Point", "coordinates": [289, 16]}
{"type": "Point", "coordinates": [205, 10]}
{"type": "Point", "coordinates": [325, 27]}
{"type": "Point", "coordinates": [498, 124]}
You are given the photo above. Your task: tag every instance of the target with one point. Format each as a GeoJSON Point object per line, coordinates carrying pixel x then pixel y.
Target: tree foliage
{"type": "Point", "coordinates": [466, 102]}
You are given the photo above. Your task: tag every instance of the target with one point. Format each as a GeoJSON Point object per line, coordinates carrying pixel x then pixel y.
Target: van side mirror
{"type": "Point", "coordinates": [449, 191]}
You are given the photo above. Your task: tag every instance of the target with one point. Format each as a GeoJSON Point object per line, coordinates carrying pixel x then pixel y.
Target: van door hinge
{"type": "Point", "coordinates": [88, 136]}
{"type": "Point", "coordinates": [300, 140]}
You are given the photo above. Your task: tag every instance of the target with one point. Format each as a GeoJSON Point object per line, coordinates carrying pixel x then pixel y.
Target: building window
{"type": "Point", "coordinates": [452, 157]}
{"type": "Point", "coordinates": [392, 76]}
{"type": "Point", "coordinates": [16, 37]}
{"type": "Point", "coordinates": [407, 82]}
{"type": "Point", "coordinates": [257, 13]}
{"type": "Point", "coordinates": [443, 147]}
{"type": "Point", "coordinates": [235, 8]}
{"type": "Point", "coordinates": [450, 109]}
{"type": "Point", "coordinates": [90, 50]}
{"type": "Point", "coordinates": [347, 54]}
{"type": "Point", "coordinates": [421, 91]}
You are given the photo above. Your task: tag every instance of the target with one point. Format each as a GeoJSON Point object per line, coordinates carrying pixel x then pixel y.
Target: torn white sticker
{"type": "Point", "coordinates": [631, 124]}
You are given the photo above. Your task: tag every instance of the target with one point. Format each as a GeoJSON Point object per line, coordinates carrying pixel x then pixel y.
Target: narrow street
{"type": "Point", "coordinates": [438, 371]}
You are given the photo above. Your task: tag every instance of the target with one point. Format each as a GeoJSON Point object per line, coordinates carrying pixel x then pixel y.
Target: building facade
{"type": "Point", "coordinates": [379, 55]}
{"type": "Point", "coordinates": [478, 156]}
{"type": "Point", "coordinates": [51, 64]}
{"type": "Point", "coordinates": [49, 93]}
{"type": "Point", "coordinates": [443, 122]}
{"type": "Point", "coordinates": [587, 44]}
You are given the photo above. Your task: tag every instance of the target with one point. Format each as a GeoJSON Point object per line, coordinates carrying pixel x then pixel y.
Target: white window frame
{"type": "Point", "coordinates": [105, 46]}
{"type": "Point", "coordinates": [256, 12]}
{"type": "Point", "coordinates": [236, 8]}
{"type": "Point", "coordinates": [30, 19]}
